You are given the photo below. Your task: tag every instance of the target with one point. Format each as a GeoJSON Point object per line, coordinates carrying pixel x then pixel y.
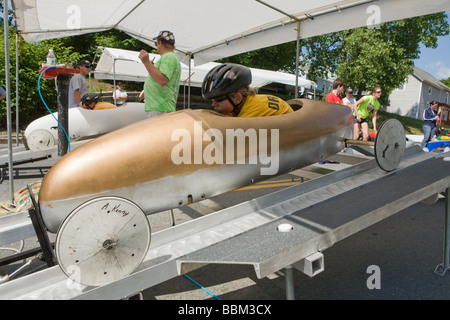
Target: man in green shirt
{"type": "Point", "coordinates": [163, 83]}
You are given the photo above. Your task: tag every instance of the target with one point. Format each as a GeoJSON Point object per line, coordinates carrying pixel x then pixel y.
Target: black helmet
{"type": "Point", "coordinates": [225, 79]}
{"type": "Point", "coordinates": [88, 98]}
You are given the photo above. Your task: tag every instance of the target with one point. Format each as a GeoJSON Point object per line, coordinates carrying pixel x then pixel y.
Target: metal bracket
{"type": "Point", "coordinates": [441, 270]}
{"type": "Point", "coordinates": [311, 265]}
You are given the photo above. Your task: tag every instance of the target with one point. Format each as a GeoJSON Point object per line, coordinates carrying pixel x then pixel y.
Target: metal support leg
{"type": "Point", "coordinates": [41, 231]}
{"type": "Point", "coordinates": [289, 282]}
{"type": "Point", "coordinates": [172, 218]}
{"type": "Point", "coordinates": [444, 267]}
{"type": "Point", "coordinates": [63, 81]}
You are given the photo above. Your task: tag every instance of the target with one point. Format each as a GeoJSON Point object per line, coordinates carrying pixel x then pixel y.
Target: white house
{"type": "Point", "coordinates": [414, 96]}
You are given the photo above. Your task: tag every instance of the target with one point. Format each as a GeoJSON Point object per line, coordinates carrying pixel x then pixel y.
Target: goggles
{"type": "Point", "coordinates": [219, 99]}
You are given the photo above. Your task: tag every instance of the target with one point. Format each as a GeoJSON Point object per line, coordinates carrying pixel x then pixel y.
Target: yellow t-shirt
{"type": "Point", "coordinates": [104, 105]}
{"type": "Point", "coordinates": [262, 105]}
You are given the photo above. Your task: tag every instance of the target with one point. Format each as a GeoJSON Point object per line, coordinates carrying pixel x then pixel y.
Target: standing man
{"type": "Point", "coordinates": [163, 82]}
{"type": "Point", "coordinates": [335, 95]}
{"type": "Point", "coordinates": [78, 86]}
{"type": "Point", "coordinates": [120, 95]}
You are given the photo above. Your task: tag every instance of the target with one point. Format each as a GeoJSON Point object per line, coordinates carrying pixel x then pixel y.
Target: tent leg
{"type": "Point", "coordinates": [17, 89]}
{"type": "Point", "coordinates": [114, 82]}
{"type": "Point", "coordinates": [289, 282]}
{"type": "Point", "coordinates": [189, 87]}
{"type": "Point", "coordinates": [8, 96]}
{"type": "Point", "coordinates": [444, 267]}
{"type": "Point", "coordinates": [297, 56]}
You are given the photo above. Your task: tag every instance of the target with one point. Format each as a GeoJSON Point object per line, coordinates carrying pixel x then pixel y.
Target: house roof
{"type": "Point", "coordinates": [428, 78]}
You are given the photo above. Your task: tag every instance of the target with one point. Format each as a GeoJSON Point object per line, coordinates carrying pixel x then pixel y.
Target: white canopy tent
{"type": "Point", "coordinates": [210, 30]}
{"type": "Point", "coordinates": [125, 65]}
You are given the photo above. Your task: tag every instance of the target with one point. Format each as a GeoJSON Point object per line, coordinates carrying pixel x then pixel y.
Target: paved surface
{"type": "Point", "coordinates": [406, 247]}
{"type": "Point", "coordinates": [404, 250]}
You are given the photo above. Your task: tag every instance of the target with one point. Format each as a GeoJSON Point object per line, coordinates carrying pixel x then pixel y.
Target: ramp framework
{"type": "Point", "coordinates": [320, 213]}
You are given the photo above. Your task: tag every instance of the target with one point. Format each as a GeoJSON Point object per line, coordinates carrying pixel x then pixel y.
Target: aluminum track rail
{"type": "Point", "coordinates": [247, 233]}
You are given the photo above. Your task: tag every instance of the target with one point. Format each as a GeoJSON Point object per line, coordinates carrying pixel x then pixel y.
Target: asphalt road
{"type": "Point", "coordinates": [404, 251]}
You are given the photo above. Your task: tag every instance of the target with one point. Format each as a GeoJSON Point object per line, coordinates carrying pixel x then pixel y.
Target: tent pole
{"type": "Point", "coordinates": [189, 88]}
{"type": "Point", "coordinates": [297, 56]}
{"type": "Point", "coordinates": [17, 89]}
{"type": "Point", "coordinates": [8, 99]}
{"type": "Point", "coordinates": [184, 95]}
{"type": "Point", "coordinates": [114, 80]}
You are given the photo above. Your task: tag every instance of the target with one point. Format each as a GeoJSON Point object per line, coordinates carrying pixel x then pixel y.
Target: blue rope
{"type": "Point", "coordinates": [201, 287]}
{"type": "Point", "coordinates": [40, 94]}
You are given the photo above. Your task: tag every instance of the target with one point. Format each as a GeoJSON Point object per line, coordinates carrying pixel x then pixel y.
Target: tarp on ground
{"type": "Point", "coordinates": [125, 65]}
{"type": "Point", "coordinates": [210, 30]}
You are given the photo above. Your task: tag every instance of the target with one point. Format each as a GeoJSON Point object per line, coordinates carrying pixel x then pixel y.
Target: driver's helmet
{"type": "Point", "coordinates": [225, 79]}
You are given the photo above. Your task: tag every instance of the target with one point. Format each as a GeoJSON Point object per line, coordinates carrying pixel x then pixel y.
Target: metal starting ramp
{"type": "Point", "coordinates": [23, 156]}
{"type": "Point", "coordinates": [318, 213]}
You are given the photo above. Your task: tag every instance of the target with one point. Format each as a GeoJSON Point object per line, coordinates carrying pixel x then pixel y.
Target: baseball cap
{"type": "Point", "coordinates": [350, 90]}
{"type": "Point", "coordinates": [84, 63]}
{"type": "Point", "coordinates": [165, 36]}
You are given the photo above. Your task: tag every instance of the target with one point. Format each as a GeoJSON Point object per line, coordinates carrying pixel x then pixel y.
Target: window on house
{"type": "Point", "coordinates": [430, 90]}
{"type": "Point", "coordinates": [401, 88]}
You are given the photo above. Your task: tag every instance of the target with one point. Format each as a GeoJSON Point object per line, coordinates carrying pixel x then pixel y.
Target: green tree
{"type": "Point", "coordinates": [367, 57]}
{"type": "Point", "coordinates": [362, 57]}
{"type": "Point", "coordinates": [31, 58]}
{"type": "Point", "coordinates": [446, 81]}
{"type": "Point", "coordinates": [33, 55]}
{"type": "Point", "coordinates": [280, 57]}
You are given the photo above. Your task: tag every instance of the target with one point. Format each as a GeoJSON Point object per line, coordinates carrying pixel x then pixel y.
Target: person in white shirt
{"type": "Point", "coordinates": [120, 95]}
{"type": "Point", "coordinates": [349, 100]}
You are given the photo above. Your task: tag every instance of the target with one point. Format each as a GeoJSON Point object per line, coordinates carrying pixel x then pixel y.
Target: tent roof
{"type": "Point", "coordinates": [211, 30]}
{"type": "Point", "coordinates": [128, 67]}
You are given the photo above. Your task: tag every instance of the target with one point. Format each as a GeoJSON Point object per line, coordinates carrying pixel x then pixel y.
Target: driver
{"type": "Point", "coordinates": [227, 85]}
{"type": "Point", "coordinates": [89, 101]}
